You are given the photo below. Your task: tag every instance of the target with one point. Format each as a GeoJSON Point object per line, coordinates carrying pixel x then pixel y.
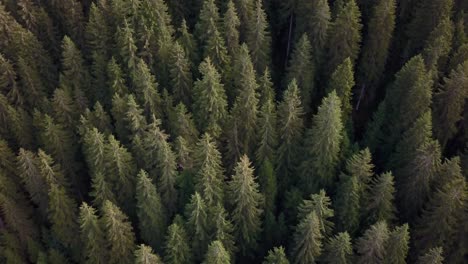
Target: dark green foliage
{"type": "Point", "coordinates": [338, 249]}
{"type": "Point", "coordinates": [379, 200]}
{"type": "Point", "coordinates": [181, 75]}
{"type": "Point", "coordinates": [276, 256]}
{"type": "Point", "coordinates": [432, 256]}
{"type": "Point", "coordinates": [397, 245]}
{"type": "Point", "coordinates": [216, 254]}
{"type": "Point", "coordinates": [371, 246]}
{"type": "Point", "coordinates": [197, 224]}
{"type": "Point", "coordinates": [145, 255]}
{"type": "Point", "coordinates": [320, 204]}
{"type": "Point", "coordinates": [177, 250]}
{"type": "Point", "coordinates": [223, 229]}
{"type": "Point", "coordinates": [308, 239]}
{"type": "Point", "coordinates": [231, 24]}
{"type": "Point", "coordinates": [258, 38]}
{"type": "Point", "coordinates": [92, 235]}
{"type": "Point", "coordinates": [342, 81]}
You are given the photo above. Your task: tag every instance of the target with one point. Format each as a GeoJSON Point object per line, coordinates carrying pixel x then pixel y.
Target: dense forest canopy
{"type": "Point", "coordinates": [233, 131]}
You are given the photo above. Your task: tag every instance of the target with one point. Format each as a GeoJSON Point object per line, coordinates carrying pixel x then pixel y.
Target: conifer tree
{"type": "Point", "coordinates": [223, 229]}
{"type": "Point", "coordinates": [181, 75]}
{"type": "Point", "coordinates": [438, 45]}
{"type": "Point", "coordinates": [397, 245]}
{"type": "Point", "coordinates": [208, 12]}
{"type": "Point", "coordinates": [245, 9]}
{"type": "Point", "coordinates": [187, 41]}
{"type": "Point", "coordinates": [92, 235]}
{"type": "Point", "coordinates": [145, 255]}
{"type": "Point", "coordinates": [150, 211]}
{"type": "Point", "coordinates": [246, 201]}
{"type": "Point", "coordinates": [217, 254]}
{"type": "Point", "coordinates": [449, 102]}
{"type": "Point", "coordinates": [126, 46]}
{"type": "Point", "coordinates": [291, 125]}
{"type": "Point", "coordinates": [320, 203]}
{"type": "Point", "coordinates": [231, 25]}
{"type": "Point", "coordinates": [301, 68]}
{"type": "Point", "coordinates": [177, 245]}
{"type": "Point", "coordinates": [259, 39]}
{"type": "Point", "coordinates": [209, 99]}
{"type": "Point", "coordinates": [376, 45]}
{"type": "Point", "coordinates": [322, 145]}
{"type": "Point", "coordinates": [345, 35]}
{"type": "Point", "coordinates": [347, 203]}
{"type": "Point", "coordinates": [183, 125]}
{"type": "Point", "coordinates": [338, 249]}
{"type": "Point", "coordinates": [342, 81]}
{"type": "Point", "coordinates": [379, 200]}
{"type": "Point", "coordinates": [101, 190]}
{"type": "Point", "coordinates": [266, 131]}
{"type": "Point", "coordinates": [209, 169]}
{"type": "Point", "coordinates": [119, 234]}
{"type": "Point", "coordinates": [215, 49]}
{"type": "Point", "coordinates": [197, 224]}
{"type": "Point", "coordinates": [432, 256]}
{"type": "Point", "coordinates": [308, 239]}
{"type": "Point", "coordinates": [276, 256]}
{"type": "Point", "coordinates": [371, 246]}
{"type": "Point", "coordinates": [115, 78]}
{"type": "Point", "coordinates": [146, 88]}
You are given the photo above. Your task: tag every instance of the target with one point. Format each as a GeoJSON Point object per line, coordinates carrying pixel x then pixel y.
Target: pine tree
{"type": "Point", "coordinates": [345, 35]}
{"type": "Point", "coordinates": [223, 229]}
{"type": "Point", "coordinates": [119, 234]}
{"type": "Point", "coordinates": [301, 68]}
{"type": "Point", "coordinates": [308, 240]}
{"type": "Point", "coordinates": [322, 145]}
{"type": "Point", "coordinates": [397, 245]}
{"type": "Point", "coordinates": [379, 201]}
{"type": "Point", "coordinates": [432, 256]}
{"type": "Point", "coordinates": [209, 99]}
{"type": "Point", "coordinates": [319, 203]}
{"type": "Point", "coordinates": [291, 127]}
{"type": "Point", "coordinates": [209, 179]}
{"type": "Point", "coordinates": [259, 39]}
{"type": "Point", "coordinates": [342, 81]}
{"type": "Point", "coordinates": [145, 255]}
{"type": "Point", "coordinates": [347, 203]}
{"type": "Point", "coordinates": [371, 246]}
{"type": "Point", "coordinates": [92, 235]}
{"type": "Point", "coordinates": [150, 211]}
{"type": "Point", "coordinates": [177, 245]}
{"type": "Point", "coordinates": [376, 45]}
{"type": "Point", "coordinates": [449, 102]}
{"type": "Point", "coordinates": [231, 25]}
{"type": "Point", "coordinates": [276, 256]}
{"type": "Point", "coordinates": [181, 75]}
{"type": "Point", "coordinates": [246, 201]}
{"type": "Point", "coordinates": [197, 224]}
{"type": "Point", "coordinates": [217, 254]}
{"type": "Point", "coordinates": [338, 249]}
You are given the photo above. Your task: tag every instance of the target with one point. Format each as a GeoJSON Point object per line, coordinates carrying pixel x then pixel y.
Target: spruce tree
{"type": "Point", "coordinates": [197, 224]}
{"type": "Point", "coordinates": [371, 246]}
{"type": "Point", "coordinates": [187, 41]}
{"type": "Point", "coordinates": [319, 203]}
{"type": "Point", "coordinates": [301, 68]}
{"type": "Point", "coordinates": [119, 234]}
{"type": "Point", "coordinates": [432, 256]}
{"type": "Point", "coordinates": [258, 38]}
{"type": "Point", "coordinates": [338, 249]}
{"type": "Point", "coordinates": [92, 235]}
{"type": "Point", "coordinates": [438, 46]}
{"type": "Point", "coordinates": [183, 125]}
{"type": "Point", "coordinates": [146, 88]}
{"type": "Point", "coordinates": [276, 256]}
{"type": "Point", "coordinates": [379, 199]}
{"type": "Point", "coordinates": [449, 102]}
{"type": "Point", "coordinates": [209, 99]}
{"type": "Point", "coordinates": [209, 179]}
{"type": "Point", "coordinates": [291, 125]}
{"type": "Point", "coordinates": [150, 211]}
{"type": "Point", "coordinates": [345, 35]}
{"type": "Point", "coordinates": [245, 9]}
{"type": "Point", "coordinates": [145, 255]}
{"type": "Point", "coordinates": [397, 245]}
{"type": "Point", "coordinates": [208, 12]}
{"type": "Point", "coordinates": [177, 250]}
{"type": "Point", "coordinates": [347, 203]}
{"type": "Point", "coordinates": [342, 81]}
{"type": "Point", "coordinates": [308, 240]}
{"type": "Point", "coordinates": [322, 145]}
{"type": "Point", "coordinates": [217, 254]}
{"type": "Point", "coordinates": [246, 201]}
{"type": "Point", "coordinates": [266, 131]}
{"type": "Point", "coordinates": [231, 25]}
{"type": "Point", "coordinates": [115, 78]}
{"type": "Point", "coordinates": [180, 75]}
{"type": "Point", "coordinates": [127, 48]}
{"type": "Point", "coordinates": [223, 229]}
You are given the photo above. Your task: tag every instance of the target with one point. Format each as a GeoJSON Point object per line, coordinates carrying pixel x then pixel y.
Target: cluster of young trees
{"type": "Point", "coordinates": [233, 131]}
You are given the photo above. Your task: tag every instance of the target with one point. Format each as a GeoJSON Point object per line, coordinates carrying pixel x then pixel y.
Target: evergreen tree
{"type": "Point", "coordinates": [397, 245]}
{"type": "Point", "coordinates": [216, 254]}
{"type": "Point", "coordinates": [115, 78]}
{"type": "Point", "coordinates": [197, 224]}
{"type": "Point", "coordinates": [145, 255]}
{"type": "Point", "coordinates": [259, 39]}
{"type": "Point", "coordinates": [342, 81]}
{"type": "Point", "coordinates": [345, 35]}
{"type": "Point", "coordinates": [347, 203]}
{"type": "Point", "coordinates": [150, 211]}
{"type": "Point", "coordinates": [231, 25]}
{"type": "Point", "coordinates": [301, 68]}
{"type": "Point", "coordinates": [209, 99]}
{"type": "Point", "coordinates": [308, 239]}
{"type": "Point", "coordinates": [449, 103]}
{"type": "Point", "coordinates": [223, 229]}
{"type": "Point", "coordinates": [208, 12]}
{"type": "Point", "coordinates": [209, 169]}
{"type": "Point", "coordinates": [146, 88]}
{"type": "Point", "coordinates": [187, 41]}
{"type": "Point", "coordinates": [376, 46]}
{"type": "Point", "coordinates": [371, 246]}
{"type": "Point", "coordinates": [319, 203]}
{"type": "Point", "coordinates": [276, 256]}
{"type": "Point", "coordinates": [177, 245]}
{"type": "Point", "coordinates": [245, 9]}
{"type": "Point", "coordinates": [246, 201]}
{"type": "Point", "coordinates": [183, 125]}
{"type": "Point", "coordinates": [266, 131]}
{"type": "Point", "coordinates": [181, 75]}
{"type": "Point", "coordinates": [379, 204]}
{"type": "Point", "coordinates": [338, 249]}
{"type": "Point", "coordinates": [322, 145]}
{"type": "Point", "coordinates": [432, 256]}
{"type": "Point", "coordinates": [126, 46]}
{"type": "Point", "coordinates": [119, 234]}
{"type": "Point", "coordinates": [291, 127]}
{"type": "Point", "coordinates": [438, 45]}
{"type": "Point", "coordinates": [92, 235]}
